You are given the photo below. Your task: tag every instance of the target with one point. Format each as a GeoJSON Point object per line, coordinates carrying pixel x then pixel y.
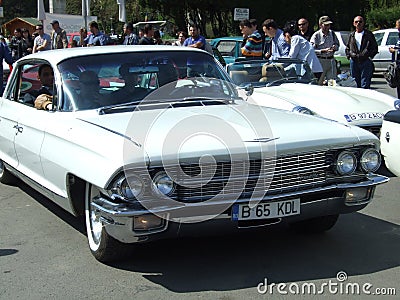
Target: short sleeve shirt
{"type": "Point", "coordinates": [190, 41]}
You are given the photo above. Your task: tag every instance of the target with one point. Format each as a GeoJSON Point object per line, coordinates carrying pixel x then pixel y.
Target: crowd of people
{"type": "Point", "coordinates": [294, 40]}
{"type": "Point", "coordinates": [298, 40]}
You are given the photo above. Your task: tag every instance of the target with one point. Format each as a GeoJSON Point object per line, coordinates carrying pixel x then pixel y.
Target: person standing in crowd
{"type": "Point", "coordinates": [181, 39]}
{"type": "Point", "coordinates": [253, 46]}
{"type": "Point", "coordinates": [301, 49]}
{"type": "Point", "coordinates": [16, 44]}
{"type": "Point", "coordinates": [157, 38]}
{"type": "Point", "coordinates": [27, 42]}
{"type": "Point", "coordinates": [148, 33]}
{"type": "Point", "coordinates": [5, 55]}
{"type": "Point", "coordinates": [361, 49]}
{"type": "Point", "coordinates": [325, 44]}
{"type": "Point", "coordinates": [304, 29]}
{"type": "Point", "coordinates": [130, 37]}
{"type": "Point", "coordinates": [395, 49]}
{"type": "Point", "coordinates": [58, 36]}
{"type": "Point", "coordinates": [195, 40]}
{"type": "Point", "coordinates": [42, 42]}
{"type": "Point", "coordinates": [97, 38]}
{"type": "Point", "coordinates": [279, 47]}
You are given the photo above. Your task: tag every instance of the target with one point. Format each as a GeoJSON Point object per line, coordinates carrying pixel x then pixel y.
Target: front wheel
{"type": "Point", "coordinates": [315, 225]}
{"type": "Point", "coordinates": [103, 247]}
{"type": "Point", "coordinates": [5, 176]}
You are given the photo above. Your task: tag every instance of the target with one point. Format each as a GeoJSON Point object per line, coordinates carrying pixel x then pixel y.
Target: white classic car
{"type": "Point", "coordinates": [289, 84]}
{"type": "Point", "coordinates": [385, 39]}
{"type": "Point", "coordinates": [390, 141]}
{"type": "Point", "coordinates": [150, 142]}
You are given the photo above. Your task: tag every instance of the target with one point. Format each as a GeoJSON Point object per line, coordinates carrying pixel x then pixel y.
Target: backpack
{"type": "Point", "coordinates": [392, 75]}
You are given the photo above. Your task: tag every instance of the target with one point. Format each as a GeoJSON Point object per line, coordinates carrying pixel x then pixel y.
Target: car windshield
{"type": "Point", "coordinates": [121, 79]}
{"type": "Point", "coordinates": [261, 73]}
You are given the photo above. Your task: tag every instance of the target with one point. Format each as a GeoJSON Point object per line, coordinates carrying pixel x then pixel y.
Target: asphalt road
{"type": "Point", "coordinates": [44, 255]}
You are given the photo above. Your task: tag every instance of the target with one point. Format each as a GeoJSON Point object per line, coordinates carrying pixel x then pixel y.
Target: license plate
{"type": "Point", "coordinates": [266, 210]}
{"type": "Point", "coordinates": [363, 116]}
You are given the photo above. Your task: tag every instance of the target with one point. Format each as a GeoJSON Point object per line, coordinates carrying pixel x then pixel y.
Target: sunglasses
{"type": "Point", "coordinates": [358, 21]}
{"type": "Point", "coordinates": [302, 24]}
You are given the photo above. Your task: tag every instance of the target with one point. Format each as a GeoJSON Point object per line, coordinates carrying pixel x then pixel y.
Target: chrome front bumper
{"type": "Point", "coordinates": [119, 220]}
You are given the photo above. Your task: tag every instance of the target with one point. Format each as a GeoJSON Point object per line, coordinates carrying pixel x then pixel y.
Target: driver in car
{"type": "Point", "coordinates": [130, 91]}
{"type": "Point", "coordinates": [46, 78]}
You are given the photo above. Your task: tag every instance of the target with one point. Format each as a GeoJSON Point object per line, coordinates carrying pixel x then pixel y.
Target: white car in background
{"type": "Point", "coordinates": [390, 141]}
{"type": "Point", "coordinates": [289, 84]}
{"type": "Point", "coordinates": [385, 38]}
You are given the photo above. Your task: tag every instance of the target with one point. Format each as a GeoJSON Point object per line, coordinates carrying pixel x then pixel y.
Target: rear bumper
{"type": "Point", "coordinates": [330, 200]}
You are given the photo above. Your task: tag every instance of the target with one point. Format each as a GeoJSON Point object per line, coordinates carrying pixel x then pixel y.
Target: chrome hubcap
{"type": "Point", "coordinates": [1, 168]}
{"type": "Point", "coordinates": [96, 225]}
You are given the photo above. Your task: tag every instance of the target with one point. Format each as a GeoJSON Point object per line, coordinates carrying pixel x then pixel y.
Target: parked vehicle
{"type": "Point", "coordinates": [176, 151]}
{"type": "Point", "coordinates": [340, 54]}
{"type": "Point", "coordinates": [229, 47]}
{"type": "Point", "coordinates": [277, 85]}
{"type": "Point", "coordinates": [390, 141]}
{"type": "Point", "coordinates": [385, 38]}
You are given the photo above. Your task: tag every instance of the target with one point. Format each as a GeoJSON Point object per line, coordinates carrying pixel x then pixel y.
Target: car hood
{"type": "Point", "coordinates": [193, 132]}
{"type": "Point", "coordinates": [336, 103]}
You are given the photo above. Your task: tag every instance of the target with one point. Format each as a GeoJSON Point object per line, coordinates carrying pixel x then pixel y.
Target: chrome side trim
{"type": "Point", "coordinates": [61, 201]}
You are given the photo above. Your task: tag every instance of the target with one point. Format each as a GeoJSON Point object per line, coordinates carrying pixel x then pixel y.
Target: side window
{"type": "Point", "coordinates": [28, 83]}
{"type": "Point", "coordinates": [392, 38]}
{"type": "Point", "coordinates": [379, 37]}
{"type": "Point", "coordinates": [227, 48]}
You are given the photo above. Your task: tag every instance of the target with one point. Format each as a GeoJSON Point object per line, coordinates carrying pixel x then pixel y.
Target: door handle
{"type": "Point", "coordinates": [19, 128]}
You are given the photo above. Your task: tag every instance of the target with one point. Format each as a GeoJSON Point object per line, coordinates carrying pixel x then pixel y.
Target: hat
{"type": "Point", "coordinates": [325, 20]}
{"type": "Point", "coordinates": [54, 22]}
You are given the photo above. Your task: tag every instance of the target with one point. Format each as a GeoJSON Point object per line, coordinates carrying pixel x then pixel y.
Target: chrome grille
{"type": "Point", "coordinates": [376, 130]}
{"type": "Point", "coordinates": [241, 179]}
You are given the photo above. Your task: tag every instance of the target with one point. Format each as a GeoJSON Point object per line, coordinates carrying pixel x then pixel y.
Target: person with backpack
{"type": "Point", "coordinates": [396, 58]}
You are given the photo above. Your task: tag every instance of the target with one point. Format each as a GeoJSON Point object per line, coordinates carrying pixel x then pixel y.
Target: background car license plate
{"type": "Point", "coordinates": [364, 116]}
{"type": "Point", "coordinates": [266, 210]}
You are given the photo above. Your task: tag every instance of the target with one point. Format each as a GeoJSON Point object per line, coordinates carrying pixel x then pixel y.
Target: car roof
{"type": "Point", "coordinates": [61, 54]}
{"type": "Point", "coordinates": [385, 30]}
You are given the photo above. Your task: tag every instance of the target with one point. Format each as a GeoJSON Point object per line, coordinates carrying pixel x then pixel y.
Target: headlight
{"type": "Point", "coordinates": [130, 187]}
{"type": "Point", "coordinates": [302, 110]}
{"type": "Point", "coordinates": [346, 163]}
{"type": "Point", "coordinates": [370, 160]}
{"type": "Point", "coordinates": [163, 184]}
{"type": "Point", "coordinates": [397, 104]}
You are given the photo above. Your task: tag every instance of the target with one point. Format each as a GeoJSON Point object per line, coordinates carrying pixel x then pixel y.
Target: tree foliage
{"type": "Point", "coordinates": [215, 18]}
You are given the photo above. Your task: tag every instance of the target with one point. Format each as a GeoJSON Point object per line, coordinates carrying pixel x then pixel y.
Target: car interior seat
{"type": "Point", "coordinates": [271, 72]}
{"type": "Point", "coordinates": [239, 77]}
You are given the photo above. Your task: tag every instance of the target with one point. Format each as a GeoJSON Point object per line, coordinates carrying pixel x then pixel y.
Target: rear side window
{"type": "Point", "coordinates": [379, 37]}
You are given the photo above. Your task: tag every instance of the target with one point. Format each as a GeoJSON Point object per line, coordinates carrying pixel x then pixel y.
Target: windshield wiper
{"type": "Point", "coordinates": [281, 80]}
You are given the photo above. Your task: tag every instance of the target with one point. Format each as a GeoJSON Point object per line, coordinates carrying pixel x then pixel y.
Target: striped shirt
{"type": "Point", "coordinates": [253, 46]}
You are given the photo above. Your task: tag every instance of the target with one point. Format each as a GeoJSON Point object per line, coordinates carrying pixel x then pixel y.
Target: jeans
{"type": "Point", "coordinates": [362, 72]}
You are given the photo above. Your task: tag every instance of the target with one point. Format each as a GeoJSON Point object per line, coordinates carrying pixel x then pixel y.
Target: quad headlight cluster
{"type": "Point", "coordinates": [133, 186]}
{"type": "Point", "coordinates": [347, 161]}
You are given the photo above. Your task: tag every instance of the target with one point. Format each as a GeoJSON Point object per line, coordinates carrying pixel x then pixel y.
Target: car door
{"type": "Point", "coordinates": [380, 39]}
{"type": "Point", "coordinates": [22, 125]}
